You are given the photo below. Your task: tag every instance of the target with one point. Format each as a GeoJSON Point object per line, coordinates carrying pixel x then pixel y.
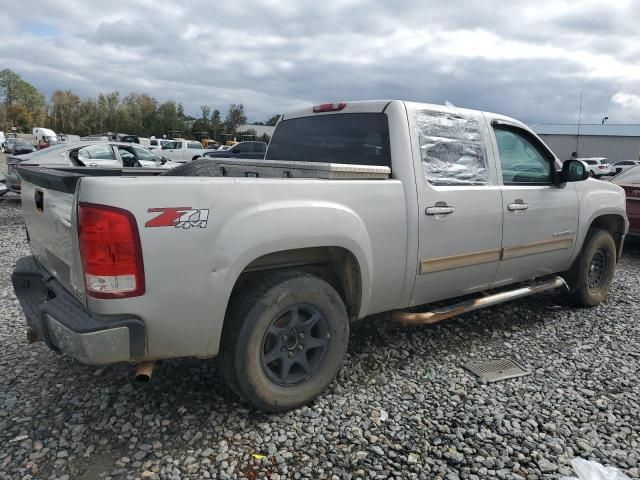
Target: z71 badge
{"type": "Point", "coordinates": [179, 217]}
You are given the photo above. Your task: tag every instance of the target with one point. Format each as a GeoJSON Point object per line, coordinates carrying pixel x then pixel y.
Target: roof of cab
{"type": "Point", "coordinates": [377, 106]}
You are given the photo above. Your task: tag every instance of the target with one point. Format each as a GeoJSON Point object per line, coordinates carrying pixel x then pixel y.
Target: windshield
{"type": "Point", "coordinates": [630, 176]}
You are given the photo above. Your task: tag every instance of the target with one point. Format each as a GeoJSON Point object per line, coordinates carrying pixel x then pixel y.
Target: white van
{"type": "Point", "coordinates": [44, 135]}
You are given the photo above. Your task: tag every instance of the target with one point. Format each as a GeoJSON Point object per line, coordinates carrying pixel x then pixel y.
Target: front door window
{"type": "Point", "coordinates": [523, 161]}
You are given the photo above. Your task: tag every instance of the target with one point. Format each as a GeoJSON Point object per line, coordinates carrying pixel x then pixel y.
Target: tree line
{"type": "Point", "coordinates": [24, 107]}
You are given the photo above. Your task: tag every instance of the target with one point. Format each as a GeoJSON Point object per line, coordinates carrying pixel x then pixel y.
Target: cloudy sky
{"type": "Point", "coordinates": [528, 59]}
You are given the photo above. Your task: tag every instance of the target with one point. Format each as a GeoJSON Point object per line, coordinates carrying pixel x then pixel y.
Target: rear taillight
{"type": "Point", "coordinates": [110, 250]}
{"type": "Point", "coordinates": [329, 107]}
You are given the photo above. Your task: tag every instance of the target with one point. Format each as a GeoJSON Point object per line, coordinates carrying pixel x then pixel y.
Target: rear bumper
{"type": "Point", "coordinates": [65, 325]}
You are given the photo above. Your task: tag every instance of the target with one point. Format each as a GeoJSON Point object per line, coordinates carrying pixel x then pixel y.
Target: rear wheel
{"type": "Point", "coordinates": [594, 268]}
{"type": "Point", "coordinates": [284, 340]}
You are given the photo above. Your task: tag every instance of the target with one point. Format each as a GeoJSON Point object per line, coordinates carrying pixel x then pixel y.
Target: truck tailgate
{"type": "Point", "coordinates": [49, 215]}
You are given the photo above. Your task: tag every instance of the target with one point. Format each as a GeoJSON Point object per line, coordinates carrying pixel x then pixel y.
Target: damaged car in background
{"type": "Point", "coordinates": [89, 153]}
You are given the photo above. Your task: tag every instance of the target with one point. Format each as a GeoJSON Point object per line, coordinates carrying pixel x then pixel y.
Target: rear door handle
{"type": "Point", "coordinates": [517, 206]}
{"type": "Point", "coordinates": [439, 210]}
{"type": "Point", "coordinates": [93, 165]}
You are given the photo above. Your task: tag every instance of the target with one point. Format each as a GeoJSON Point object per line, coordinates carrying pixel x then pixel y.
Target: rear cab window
{"type": "Point", "coordinates": [346, 138]}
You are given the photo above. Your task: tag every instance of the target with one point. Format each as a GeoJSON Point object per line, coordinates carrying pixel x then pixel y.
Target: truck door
{"type": "Point", "coordinates": [173, 151]}
{"type": "Point", "coordinates": [460, 206]}
{"type": "Point", "coordinates": [540, 217]}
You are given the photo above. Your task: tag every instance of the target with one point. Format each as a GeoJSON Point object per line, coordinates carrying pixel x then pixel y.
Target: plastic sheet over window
{"type": "Point", "coordinates": [452, 149]}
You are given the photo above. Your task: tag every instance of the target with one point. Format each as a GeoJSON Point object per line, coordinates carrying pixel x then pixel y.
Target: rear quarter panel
{"type": "Point", "coordinates": [190, 272]}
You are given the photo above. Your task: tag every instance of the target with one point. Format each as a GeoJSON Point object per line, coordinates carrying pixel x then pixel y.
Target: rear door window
{"type": "Point", "coordinates": [452, 148]}
{"type": "Point", "coordinates": [97, 152]}
{"type": "Point", "coordinates": [347, 138]}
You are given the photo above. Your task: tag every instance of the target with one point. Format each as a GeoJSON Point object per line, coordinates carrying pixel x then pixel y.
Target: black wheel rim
{"type": "Point", "coordinates": [294, 345]}
{"type": "Point", "coordinates": [598, 269]}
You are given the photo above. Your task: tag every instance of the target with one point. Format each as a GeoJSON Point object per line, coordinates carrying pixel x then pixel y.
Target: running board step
{"type": "Point", "coordinates": [440, 314]}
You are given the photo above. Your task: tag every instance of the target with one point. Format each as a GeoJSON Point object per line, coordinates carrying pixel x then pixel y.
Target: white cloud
{"type": "Point", "coordinates": [525, 58]}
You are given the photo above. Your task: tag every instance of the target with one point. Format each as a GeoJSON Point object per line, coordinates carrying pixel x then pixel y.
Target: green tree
{"type": "Point", "coordinates": [272, 121]}
{"type": "Point", "coordinates": [64, 111]}
{"type": "Point", "coordinates": [206, 111]}
{"type": "Point", "coordinates": [23, 105]}
{"type": "Point", "coordinates": [235, 117]}
{"type": "Point", "coordinates": [215, 124]}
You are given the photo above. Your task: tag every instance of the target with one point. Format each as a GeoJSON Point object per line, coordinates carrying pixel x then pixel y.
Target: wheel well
{"type": "Point", "coordinates": [196, 157]}
{"type": "Point", "coordinates": [612, 223]}
{"type": "Point", "coordinates": [335, 265]}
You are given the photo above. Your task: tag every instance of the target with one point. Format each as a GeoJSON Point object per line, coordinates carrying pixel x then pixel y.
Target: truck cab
{"type": "Point", "coordinates": [181, 150]}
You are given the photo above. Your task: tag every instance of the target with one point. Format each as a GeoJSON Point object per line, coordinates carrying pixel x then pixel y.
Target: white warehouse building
{"type": "Point", "coordinates": [615, 142]}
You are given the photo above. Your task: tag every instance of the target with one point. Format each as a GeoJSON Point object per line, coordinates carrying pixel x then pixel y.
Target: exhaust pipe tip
{"type": "Point", "coordinates": [144, 371]}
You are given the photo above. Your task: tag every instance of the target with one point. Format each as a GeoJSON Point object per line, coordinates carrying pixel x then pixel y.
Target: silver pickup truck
{"type": "Point", "coordinates": [358, 208]}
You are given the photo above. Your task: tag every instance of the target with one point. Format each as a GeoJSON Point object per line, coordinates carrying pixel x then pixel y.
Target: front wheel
{"type": "Point", "coordinates": [284, 340]}
{"type": "Point", "coordinates": [594, 269]}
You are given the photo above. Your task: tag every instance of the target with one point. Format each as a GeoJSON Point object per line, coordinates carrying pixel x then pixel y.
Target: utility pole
{"type": "Point", "coordinates": [579, 122]}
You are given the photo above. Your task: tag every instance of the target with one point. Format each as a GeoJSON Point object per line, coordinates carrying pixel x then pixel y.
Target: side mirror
{"type": "Point", "coordinates": [574, 171]}
{"type": "Point", "coordinates": [83, 160]}
{"type": "Point", "coordinates": [235, 150]}
{"type": "Point", "coordinates": [163, 160]}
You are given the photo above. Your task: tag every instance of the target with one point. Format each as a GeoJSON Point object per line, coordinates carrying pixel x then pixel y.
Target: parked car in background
{"type": "Point", "coordinates": [359, 208]}
{"type": "Point", "coordinates": [623, 165]}
{"type": "Point", "coordinates": [125, 137]}
{"type": "Point", "coordinates": [9, 142]}
{"type": "Point", "coordinates": [181, 150]}
{"type": "Point", "coordinates": [630, 181]}
{"type": "Point", "coordinates": [88, 153]}
{"type": "Point", "coordinates": [157, 143]}
{"type": "Point", "coordinates": [256, 150]}
{"type": "Point", "coordinates": [20, 147]}
{"type": "Point", "coordinates": [64, 137]}
{"type": "Point", "coordinates": [597, 166]}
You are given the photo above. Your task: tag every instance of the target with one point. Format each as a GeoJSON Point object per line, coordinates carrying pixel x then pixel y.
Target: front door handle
{"type": "Point", "coordinates": [439, 210]}
{"type": "Point", "coordinates": [517, 206]}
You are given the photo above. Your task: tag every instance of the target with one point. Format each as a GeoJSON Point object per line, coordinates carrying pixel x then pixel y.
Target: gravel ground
{"type": "Point", "coordinates": [402, 407]}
